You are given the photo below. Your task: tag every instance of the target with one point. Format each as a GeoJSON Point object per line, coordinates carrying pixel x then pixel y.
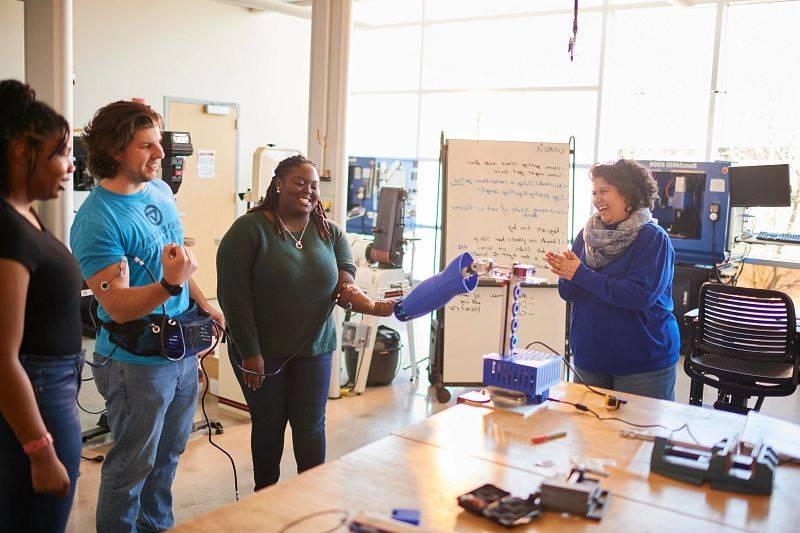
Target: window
{"type": "Point", "coordinates": [453, 9]}
{"type": "Point", "coordinates": [510, 53]}
{"type": "Point", "coordinates": [762, 48]}
{"type": "Point", "coordinates": [376, 12]}
{"type": "Point", "coordinates": [500, 70]}
{"type": "Point", "coordinates": [551, 116]}
{"type": "Point", "coordinates": [382, 125]}
{"type": "Point", "coordinates": [657, 83]}
{"type": "Point", "coordinates": [385, 59]}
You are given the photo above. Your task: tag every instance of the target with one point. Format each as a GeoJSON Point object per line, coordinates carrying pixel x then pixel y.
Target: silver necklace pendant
{"type": "Point", "coordinates": [298, 243]}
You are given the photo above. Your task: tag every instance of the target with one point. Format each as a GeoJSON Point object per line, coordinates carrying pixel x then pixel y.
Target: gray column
{"type": "Point", "coordinates": [48, 69]}
{"type": "Point", "coordinates": [331, 25]}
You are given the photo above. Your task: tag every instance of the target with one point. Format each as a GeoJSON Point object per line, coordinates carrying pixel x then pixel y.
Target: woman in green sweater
{"type": "Point", "coordinates": [276, 284]}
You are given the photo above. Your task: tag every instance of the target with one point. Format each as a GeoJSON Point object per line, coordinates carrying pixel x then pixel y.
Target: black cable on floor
{"type": "Point", "coordinates": [82, 408]}
{"type": "Point", "coordinates": [208, 421]}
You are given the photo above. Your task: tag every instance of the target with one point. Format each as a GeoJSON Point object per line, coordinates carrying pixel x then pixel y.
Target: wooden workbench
{"type": "Point", "coordinates": [426, 466]}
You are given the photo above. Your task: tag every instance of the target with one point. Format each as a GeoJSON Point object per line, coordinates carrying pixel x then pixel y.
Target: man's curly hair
{"type": "Point", "coordinates": [633, 181]}
{"type": "Point", "coordinates": [111, 130]}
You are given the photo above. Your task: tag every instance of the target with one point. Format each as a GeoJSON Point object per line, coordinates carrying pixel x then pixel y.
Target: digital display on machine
{"type": "Point", "coordinates": [760, 186]}
{"type": "Point", "coordinates": [182, 138]}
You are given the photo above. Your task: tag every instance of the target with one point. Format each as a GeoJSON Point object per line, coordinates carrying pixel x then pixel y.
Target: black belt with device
{"type": "Point", "coordinates": [184, 335]}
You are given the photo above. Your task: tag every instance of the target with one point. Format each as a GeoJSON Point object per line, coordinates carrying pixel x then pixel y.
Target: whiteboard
{"type": "Point", "coordinates": [477, 317]}
{"type": "Point", "coordinates": [543, 318]}
{"type": "Point", "coordinates": [508, 201]}
{"type": "Point", "coordinates": [483, 306]}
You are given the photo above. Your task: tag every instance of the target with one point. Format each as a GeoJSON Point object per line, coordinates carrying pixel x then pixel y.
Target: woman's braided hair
{"type": "Point", "coordinates": [24, 117]}
{"type": "Point", "coordinates": [270, 202]}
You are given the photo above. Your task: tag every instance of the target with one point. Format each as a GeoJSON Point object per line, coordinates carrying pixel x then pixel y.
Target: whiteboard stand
{"type": "Point", "coordinates": [508, 201]}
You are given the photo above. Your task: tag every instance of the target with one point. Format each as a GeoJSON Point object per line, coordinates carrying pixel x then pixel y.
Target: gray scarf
{"type": "Point", "coordinates": [603, 245]}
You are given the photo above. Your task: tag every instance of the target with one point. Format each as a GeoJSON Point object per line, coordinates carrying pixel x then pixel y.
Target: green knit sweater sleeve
{"type": "Point", "coordinates": [342, 250]}
{"type": "Point", "coordinates": [235, 259]}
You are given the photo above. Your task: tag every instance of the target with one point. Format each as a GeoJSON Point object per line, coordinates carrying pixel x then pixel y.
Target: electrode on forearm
{"type": "Point", "coordinates": [351, 297]}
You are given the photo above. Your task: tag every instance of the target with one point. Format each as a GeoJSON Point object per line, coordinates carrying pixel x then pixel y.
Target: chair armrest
{"type": "Point", "coordinates": [691, 316]}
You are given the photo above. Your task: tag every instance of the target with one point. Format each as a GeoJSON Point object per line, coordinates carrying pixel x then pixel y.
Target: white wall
{"type": "Point", "coordinates": [12, 40]}
{"type": "Point", "coordinates": [198, 49]}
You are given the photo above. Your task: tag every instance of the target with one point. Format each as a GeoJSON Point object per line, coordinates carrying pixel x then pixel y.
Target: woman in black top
{"type": "Point", "coordinates": [40, 327]}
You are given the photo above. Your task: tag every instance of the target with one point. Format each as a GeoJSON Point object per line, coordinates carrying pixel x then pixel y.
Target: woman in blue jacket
{"type": "Point", "coordinates": [618, 278]}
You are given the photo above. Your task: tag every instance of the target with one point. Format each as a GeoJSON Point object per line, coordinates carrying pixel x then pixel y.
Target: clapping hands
{"type": "Point", "coordinates": [563, 265]}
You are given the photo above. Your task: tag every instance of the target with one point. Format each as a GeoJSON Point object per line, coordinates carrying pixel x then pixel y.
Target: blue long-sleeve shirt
{"type": "Point", "coordinates": [621, 320]}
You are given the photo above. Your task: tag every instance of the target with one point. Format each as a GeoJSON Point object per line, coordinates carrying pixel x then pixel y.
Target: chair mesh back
{"type": "Point", "coordinates": [754, 324]}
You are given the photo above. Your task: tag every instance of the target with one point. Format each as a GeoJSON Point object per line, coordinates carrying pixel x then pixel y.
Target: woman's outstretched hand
{"type": "Point", "coordinates": [563, 265]}
{"type": "Point", "coordinates": [383, 307]}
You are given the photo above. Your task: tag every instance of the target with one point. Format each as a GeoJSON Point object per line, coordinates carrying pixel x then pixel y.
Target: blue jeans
{"type": "Point", "coordinates": [150, 413]}
{"type": "Point", "coordinates": [55, 381]}
{"type": "Point", "coordinates": [658, 384]}
{"type": "Point", "coordinates": [297, 395]}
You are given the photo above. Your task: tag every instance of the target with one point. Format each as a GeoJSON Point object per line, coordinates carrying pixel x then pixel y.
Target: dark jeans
{"type": "Point", "coordinates": [298, 395]}
{"type": "Point", "coordinates": [658, 384]}
{"type": "Point", "coordinates": [56, 381]}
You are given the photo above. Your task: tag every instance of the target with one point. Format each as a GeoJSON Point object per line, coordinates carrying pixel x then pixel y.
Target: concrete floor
{"type": "Point", "coordinates": [204, 480]}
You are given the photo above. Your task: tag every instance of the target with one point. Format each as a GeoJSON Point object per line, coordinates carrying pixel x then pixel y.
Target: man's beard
{"type": "Point", "coordinates": [139, 176]}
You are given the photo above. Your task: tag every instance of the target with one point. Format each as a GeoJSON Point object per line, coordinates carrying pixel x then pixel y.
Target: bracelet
{"type": "Point", "coordinates": [37, 445]}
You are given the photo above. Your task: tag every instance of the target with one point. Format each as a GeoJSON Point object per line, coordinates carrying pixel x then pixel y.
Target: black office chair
{"type": "Point", "coordinates": [745, 344]}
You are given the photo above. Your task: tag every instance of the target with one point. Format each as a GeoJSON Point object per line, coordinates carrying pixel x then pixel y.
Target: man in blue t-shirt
{"type": "Point", "coordinates": [130, 219]}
